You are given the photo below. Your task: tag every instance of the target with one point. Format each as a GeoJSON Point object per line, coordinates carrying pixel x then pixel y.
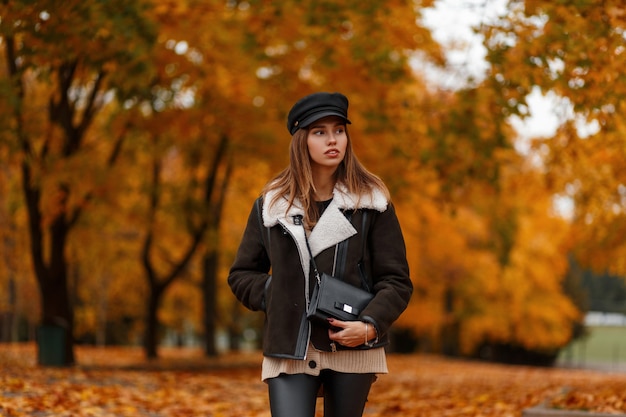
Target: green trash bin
{"type": "Point", "coordinates": [51, 344]}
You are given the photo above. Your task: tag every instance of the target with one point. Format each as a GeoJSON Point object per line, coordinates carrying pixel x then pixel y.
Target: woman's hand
{"type": "Point", "coordinates": [349, 333]}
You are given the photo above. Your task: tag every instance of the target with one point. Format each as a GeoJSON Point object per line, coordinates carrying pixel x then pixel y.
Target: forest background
{"type": "Point", "coordinates": [136, 135]}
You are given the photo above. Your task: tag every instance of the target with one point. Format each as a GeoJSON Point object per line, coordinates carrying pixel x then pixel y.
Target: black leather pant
{"type": "Point", "coordinates": [295, 395]}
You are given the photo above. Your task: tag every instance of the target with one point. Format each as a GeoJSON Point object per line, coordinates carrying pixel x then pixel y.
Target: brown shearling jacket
{"type": "Point", "coordinates": [273, 241]}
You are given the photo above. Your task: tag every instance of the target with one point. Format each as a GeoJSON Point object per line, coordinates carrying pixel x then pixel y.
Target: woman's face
{"type": "Point", "coordinates": [327, 142]}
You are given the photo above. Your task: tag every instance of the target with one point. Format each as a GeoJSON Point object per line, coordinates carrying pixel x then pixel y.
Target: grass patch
{"type": "Point", "coordinates": [604, 346]}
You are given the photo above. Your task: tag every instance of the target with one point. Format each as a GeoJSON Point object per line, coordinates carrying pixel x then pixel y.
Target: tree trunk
{"type": "Point", "coordinates": [57, 312]}
{"type": "Point", "coordinates": [152, 323]}
{"type": "Point", "coordinates": [158, 284]}
{"type": "Point", "coordinates": [56, 307]}
{"type": "Point", "coordinates": [8, 330]}
{"type": "Point", "coordinates": [209, 293]}
{"type": "Point", "coordinates": [214, 200]}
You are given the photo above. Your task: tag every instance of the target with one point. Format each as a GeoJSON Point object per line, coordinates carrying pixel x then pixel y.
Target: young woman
{"type": "Point", "coordinates": [323, 198]}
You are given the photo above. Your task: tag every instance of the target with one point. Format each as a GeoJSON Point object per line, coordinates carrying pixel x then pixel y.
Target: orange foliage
{"type": "Point", "coordinates": [574, 50]}
{"type": "Point", "coordinates": [492, 266]}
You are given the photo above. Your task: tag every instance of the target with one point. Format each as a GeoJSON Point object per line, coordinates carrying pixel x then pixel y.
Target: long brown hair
{"type": "Point", "coordinates": [296, 180]}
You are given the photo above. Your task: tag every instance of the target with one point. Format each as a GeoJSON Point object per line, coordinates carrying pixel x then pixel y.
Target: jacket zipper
{"type": "Point", "coordinates": [297, 220]}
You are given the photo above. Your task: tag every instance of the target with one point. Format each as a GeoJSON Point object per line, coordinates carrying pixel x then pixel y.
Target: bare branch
{"type": "Point", "coordinates": [91, 108]}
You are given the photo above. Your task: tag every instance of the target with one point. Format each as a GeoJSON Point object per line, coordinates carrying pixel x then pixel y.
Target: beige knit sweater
{"type": "Point", "coordinates": [347, 361]}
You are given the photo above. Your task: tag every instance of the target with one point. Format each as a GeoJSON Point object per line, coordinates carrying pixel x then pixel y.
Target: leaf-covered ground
{"type": "Point", "coordinates": [118, 382]}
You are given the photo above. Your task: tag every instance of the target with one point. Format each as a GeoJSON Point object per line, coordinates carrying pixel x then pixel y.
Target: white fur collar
{"type": "Point", "coordinates": [333, 226]}
{"type": "Point", "coordinates": [342, 199]}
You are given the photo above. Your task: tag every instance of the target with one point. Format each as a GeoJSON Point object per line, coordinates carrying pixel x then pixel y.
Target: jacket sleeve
{"type": "Point", "coordinates": [249, 273]}
{"type": "Point", "coordinates": [392, 285]}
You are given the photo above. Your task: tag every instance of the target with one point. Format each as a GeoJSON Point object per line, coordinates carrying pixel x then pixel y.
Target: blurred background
{"type": "Point", "coordinates": [135, 136]}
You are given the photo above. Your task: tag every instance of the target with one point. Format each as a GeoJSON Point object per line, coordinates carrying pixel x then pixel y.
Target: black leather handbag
{"type": "Point", "coordinates": [335, 298]}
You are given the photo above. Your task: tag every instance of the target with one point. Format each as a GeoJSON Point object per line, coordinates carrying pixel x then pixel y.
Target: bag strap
{"type": "Point", "coordinates": [341, 253]}
{"type": "Point", "coordinates": [363, 273]}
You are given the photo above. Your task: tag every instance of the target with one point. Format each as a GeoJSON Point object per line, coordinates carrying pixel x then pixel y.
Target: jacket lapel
{"type": "Point", "coordinates": [332, 228]}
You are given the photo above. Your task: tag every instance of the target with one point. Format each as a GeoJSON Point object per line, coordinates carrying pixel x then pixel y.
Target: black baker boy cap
{"type": "Point", "coordinates": [314, 107]}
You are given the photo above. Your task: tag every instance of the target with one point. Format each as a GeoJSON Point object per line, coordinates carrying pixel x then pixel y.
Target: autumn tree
{"type": "Point", "coordinates": [483, 237]}
{"type": "Point", "coordinates": [63, 64]}
{"type": "Point", "coordinates": [487, 259]}
{"type": "Point", "coordinates": [573, 50]}
{"type": "Point", "coordinates": [189, 128]}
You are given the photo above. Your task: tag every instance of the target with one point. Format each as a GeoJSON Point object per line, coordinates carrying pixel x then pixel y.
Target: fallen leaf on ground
{"type": "Point", "coordinates": [116, 382]}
